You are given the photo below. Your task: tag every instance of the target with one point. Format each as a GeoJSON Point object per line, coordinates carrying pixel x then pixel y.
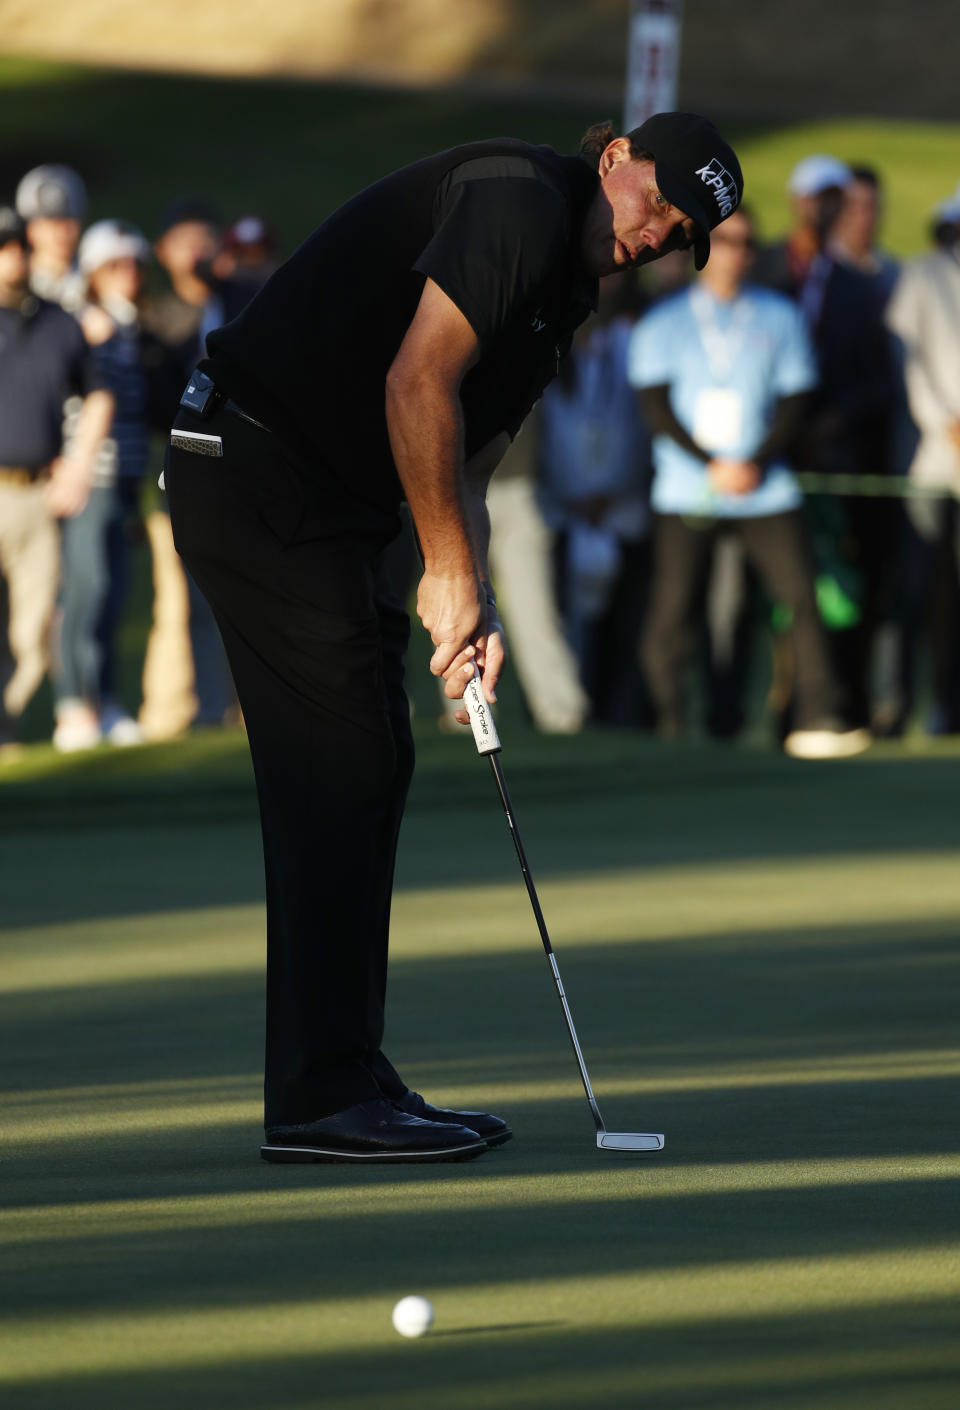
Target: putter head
{"type": "Point", "coordinates": [628, 1141]}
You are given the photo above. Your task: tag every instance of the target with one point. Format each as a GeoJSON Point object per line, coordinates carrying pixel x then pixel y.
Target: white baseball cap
{"type": "Point", "coordinates": [52, 190]}
{"type": "Point", "coordinates": [111, 239]}
{"type": "Point", "coordinates": [818, 173]}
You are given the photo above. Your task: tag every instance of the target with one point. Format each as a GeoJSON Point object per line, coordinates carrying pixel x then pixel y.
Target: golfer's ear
{"type": "Point", "coordinates": [613, 153]}
{"type": "Point", "coordinates": [439, 344]}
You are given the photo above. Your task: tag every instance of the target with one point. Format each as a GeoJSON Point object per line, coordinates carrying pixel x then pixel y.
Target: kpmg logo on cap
{"type": "Point", "coordinates": [721, 183]}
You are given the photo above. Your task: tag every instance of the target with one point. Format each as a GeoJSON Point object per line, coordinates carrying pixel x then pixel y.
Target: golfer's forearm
{"type": "Point", "coordinates": [478, 521]}
{"type": "Point", "coordinates": [425, 424]}
{"type": "Point", "coordinates": [477, 474]}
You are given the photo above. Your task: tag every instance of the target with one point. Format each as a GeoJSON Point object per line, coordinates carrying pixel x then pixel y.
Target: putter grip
{"type": "Point", "coordinates": [481, 717]}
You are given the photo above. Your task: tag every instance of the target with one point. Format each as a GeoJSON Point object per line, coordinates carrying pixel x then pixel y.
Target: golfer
{"type": "Point", "coordinates": [393, 357]}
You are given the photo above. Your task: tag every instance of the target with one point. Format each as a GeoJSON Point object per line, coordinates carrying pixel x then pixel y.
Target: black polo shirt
{"type": "Point", "coordinates": [44, 359]}
{"type": "Point", "coordinates": [495, 224]}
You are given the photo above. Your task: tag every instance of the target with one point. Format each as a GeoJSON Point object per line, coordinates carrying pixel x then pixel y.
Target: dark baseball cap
{"type": "Point", "coordinates": [697, 171]}
{"type": "Point", "coordinates": [189, 210]}
{"type": "Point", "coordinates": [12, 227]}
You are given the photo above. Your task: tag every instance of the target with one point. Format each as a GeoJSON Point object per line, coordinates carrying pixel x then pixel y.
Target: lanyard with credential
{"type": "Point", "coordinates": [720, 345]}
{"type": "Point", "coordinates": [718, 411]}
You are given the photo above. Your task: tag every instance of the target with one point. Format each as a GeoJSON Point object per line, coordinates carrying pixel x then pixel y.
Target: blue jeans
{"type": "Point", "coordinates": [94, 555]}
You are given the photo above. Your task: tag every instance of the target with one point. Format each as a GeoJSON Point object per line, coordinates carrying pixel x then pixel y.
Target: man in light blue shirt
{"type": "Point", "coordinates": [724, 369]}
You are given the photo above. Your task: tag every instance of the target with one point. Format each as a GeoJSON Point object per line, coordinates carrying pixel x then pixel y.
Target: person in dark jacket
{"type": "Point", "coordinates": [845, 429]}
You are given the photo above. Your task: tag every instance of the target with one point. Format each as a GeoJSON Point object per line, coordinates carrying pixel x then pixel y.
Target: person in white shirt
{"type": "Point", "coordinates": [924, 312]}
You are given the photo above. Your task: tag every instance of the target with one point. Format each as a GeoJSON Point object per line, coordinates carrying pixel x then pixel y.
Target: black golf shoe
{"type": "Point", "coordinates": [493, 1129]}
{"type": "Point", "coordinates": [371, 1133]}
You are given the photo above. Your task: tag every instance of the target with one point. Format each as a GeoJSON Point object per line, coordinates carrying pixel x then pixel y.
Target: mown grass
{"type": "Point", "coordinates": [761, 958]}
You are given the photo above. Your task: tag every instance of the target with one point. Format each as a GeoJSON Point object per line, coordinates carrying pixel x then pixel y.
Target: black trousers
{"type": "Point", "coordinates": [290, 563]}
{"type": "Point", "coordinates": [860, 536]}
{"type": "Point", "coordinates": [776, 546]}
{"type": "Point", "coordinates": [926, 605]}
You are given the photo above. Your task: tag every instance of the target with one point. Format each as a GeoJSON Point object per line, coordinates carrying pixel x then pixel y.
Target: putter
{"type": "Point", "coordinates": [488, 742]}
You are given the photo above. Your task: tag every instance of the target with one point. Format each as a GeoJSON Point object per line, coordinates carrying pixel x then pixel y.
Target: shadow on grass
{"type": "Point", "coordinates": [657, 1006]}
{"type": "Point", "coordinates": [129, 838]}
{"type": "Point", "coordinates": [900, 1355]}
{"type": "Point", "coordinates": [702, 1007]}
{"type": "Point", "coordinates": [355, 1244]}
{"type": "Point", "coordinates": [763, 997]}
{"type": "Point", "coordinates": [498, 1328]}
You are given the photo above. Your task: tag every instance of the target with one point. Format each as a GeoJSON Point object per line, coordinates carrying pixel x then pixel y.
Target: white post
{"type": "Point", "coordinates": [653, 59]}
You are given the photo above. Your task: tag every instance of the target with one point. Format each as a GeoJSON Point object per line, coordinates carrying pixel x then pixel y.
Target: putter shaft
{"type": "Point", "coordinates": [488, 742]}
{"type": "Point", "coordinates": [501, 782]}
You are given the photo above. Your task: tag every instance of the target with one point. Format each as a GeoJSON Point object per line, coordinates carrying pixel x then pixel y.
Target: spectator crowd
{"type": "Point", "coordinates": [95, 350]}
{"type": "Point", "coordinates": [768, 452]}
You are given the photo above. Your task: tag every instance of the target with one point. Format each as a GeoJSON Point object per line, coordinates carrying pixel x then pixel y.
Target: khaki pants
{"type": "Point", "coordinates": [29, 567]}
{"type": "Point", "coordinates": [522, 572]}
{"type": "Point", "coordinates": [169, 697]}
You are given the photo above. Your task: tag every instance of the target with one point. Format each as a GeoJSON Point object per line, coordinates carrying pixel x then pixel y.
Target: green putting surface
{"type": "Point", "coordinates": [761, 958]}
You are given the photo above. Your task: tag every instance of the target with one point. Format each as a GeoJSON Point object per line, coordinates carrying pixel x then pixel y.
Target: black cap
{"type": "Point", "coordinates": [697, 171]}
{"type": "Point", "coordinates": [189, 209]}
{"type": "Point", "coordinates": [12, 227]}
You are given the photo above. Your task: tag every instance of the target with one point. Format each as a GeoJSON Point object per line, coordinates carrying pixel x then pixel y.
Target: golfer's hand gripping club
{"type": "Point", "coordinates": [481, 717]}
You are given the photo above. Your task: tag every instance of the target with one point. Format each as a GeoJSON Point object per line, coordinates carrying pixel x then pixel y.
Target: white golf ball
{"type": "Point", "coordinates": [413, 1316]}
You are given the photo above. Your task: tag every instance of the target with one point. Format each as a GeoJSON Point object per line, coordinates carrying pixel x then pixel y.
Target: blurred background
{"type": "Point", "coordinates": [223, 136]}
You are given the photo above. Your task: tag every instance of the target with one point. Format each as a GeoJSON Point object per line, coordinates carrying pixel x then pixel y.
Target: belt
{"type": "Point", "coordinates": [20, 474]}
